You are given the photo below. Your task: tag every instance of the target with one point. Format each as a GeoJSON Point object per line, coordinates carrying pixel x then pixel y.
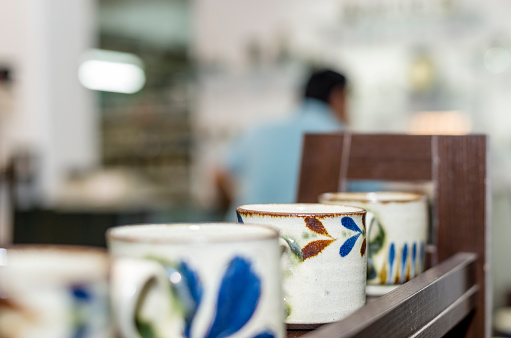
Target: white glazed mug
{"type": "Point", "coordinates": [196, 280]}
{"type": "Point", "coordinates": [397, 236]}
{"type": "Point", "coordinates": [324, 264]}
{"type": "Point", "coordinates": [54, 292]}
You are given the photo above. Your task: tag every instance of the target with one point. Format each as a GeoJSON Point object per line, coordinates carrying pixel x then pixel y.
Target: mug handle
{"type": "Point", "coordinates": [130, 278]}
{"type": "Point", "coordinates": [374, 244]}
{"type": "Point", "coordinates": [370, 219]}
{"type": "Point", "coordinates": [290, 253]}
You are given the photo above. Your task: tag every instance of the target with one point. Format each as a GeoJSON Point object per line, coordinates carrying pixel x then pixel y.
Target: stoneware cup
{"type": "Point", "coordinates": [54, 292]}
{"type": "Point", "coordinates": [324, 260]}
{"type": "Point", "coordinates": [397, 228]}
{"type": "Point", "coordinates": [196, 280]}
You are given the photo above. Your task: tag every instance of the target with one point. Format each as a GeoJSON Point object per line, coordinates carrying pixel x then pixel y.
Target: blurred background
{"type": "Point", "coordinates": [117, 111]}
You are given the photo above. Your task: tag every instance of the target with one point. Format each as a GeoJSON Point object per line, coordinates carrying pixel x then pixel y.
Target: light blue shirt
{"type": "Point", "coordinates": [266, 161]}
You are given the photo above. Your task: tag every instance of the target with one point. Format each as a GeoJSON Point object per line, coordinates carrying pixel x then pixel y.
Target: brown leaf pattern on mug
{"type": "Point", "coordinates": [7, 305]}
{"type": "Point", "coordinates": [315, 247]}
{"type": "Point", "coordinates": [363, 248]}
{"type": "Point", "coordinates": [316, 226]}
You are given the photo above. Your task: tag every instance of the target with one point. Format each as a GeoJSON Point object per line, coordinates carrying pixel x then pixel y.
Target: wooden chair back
{"type": "Point", "coordinates": [457, 168]}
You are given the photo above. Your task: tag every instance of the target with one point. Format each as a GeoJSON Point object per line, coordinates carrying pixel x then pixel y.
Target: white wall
{"type": "Point", "coordinates": [54, 115]}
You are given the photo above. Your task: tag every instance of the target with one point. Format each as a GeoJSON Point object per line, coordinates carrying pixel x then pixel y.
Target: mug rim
{"type": "Point", "coordinates": [62, 248]}
{"type": "Point", "coordinates": [123, 234]}
{"type": "Point", "coordinates": [58, 263]}
{"type": "Point", "coordinates": [250, 209]}
{"type": "Point", "coordinates": [371, 196]}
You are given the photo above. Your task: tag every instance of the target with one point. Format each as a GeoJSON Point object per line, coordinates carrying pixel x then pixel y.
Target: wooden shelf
{"type": "Point", "coordinates": [426, 306]}
{"type": "Point", "coordinates": [453, 297]}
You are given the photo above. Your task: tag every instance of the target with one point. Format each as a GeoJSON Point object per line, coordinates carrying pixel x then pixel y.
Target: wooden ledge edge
{"type": "Point", "coordinates": [456, 274]}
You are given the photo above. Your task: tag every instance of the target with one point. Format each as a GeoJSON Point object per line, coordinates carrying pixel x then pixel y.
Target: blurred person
{"type": "Point", "coordinates": [262, 166]}
{"type": "Point", "coordinates": [6, 115]}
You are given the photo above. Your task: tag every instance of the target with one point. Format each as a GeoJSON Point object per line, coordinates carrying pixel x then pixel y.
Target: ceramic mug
{"type": "Point", "coordinates": [397, 237]}
{"type": "Point", "coordinates": [54, 292]}
{"type": "Point", "coordinates": [324, 261]}
{"type": "Point", "coordinates": [196, 280]}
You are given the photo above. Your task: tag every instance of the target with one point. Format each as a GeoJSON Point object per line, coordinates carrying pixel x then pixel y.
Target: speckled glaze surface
{"type": "Point", "coordinates": [224, 279]}
{"type": "Point", "coordinates": [54, 291]}
{"type": "Point", "coordinates": [324, 260]}
{"type": "Point", "coordinates": [398, 237]}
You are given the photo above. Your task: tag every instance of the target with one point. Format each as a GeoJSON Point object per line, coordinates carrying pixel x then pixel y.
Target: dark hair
{"type": "Point", "coordinates": [5, 75]}
{"type": "Point", "coordinates": [321, 83]}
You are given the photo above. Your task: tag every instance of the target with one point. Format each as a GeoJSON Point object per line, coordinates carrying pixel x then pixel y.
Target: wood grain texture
{"type": "Point", "coordinates": [380, 157]}
{"type": "Point", "coordinates": [320, 166]}
{"type": "Point", "coordinates": [390, 157]}
{"type": "Point", "coordinates": [461, 218]}
{"type": "Point", "coordinates": [457, 166]}
{"type": "Point", "coordinates": [450, 317]}
{"type": "Point", "coordinates": [296, 333]}
{"type": "Point", "coordinates": [427, 306]}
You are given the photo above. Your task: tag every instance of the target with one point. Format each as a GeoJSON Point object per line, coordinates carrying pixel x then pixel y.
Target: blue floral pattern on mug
{"type": "Point", "coordinates": [81, 299]}
{"type": "Point", "coordinates": [402, 265]}
{"type": "Point", "coordinates": [266, 334]}
{"type": "Point", "coordinates": [315, 247]}
{"type": "Point", "coordinates": [348, 245]}
{"type": "Point", "coordinates": [238, 216]}
{"type": "Point", "coordinates": [238, 296]}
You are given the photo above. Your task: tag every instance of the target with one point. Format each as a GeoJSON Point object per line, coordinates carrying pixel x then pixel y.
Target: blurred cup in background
{"type": "Point", "coordinates": [397, 231]}
{"type": "Point", "coordinates": [54, 292]}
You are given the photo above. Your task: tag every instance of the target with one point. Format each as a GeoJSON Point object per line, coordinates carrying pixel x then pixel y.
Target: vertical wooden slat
{"type": "Point", "coordinates": [321, 166]}
{"type": "Point", "coordinates": [460, 213]}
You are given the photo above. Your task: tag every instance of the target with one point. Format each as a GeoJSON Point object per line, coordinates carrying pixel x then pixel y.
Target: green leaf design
{"type": "Point", "coordinates": [295, 249]}
{"type": "Point", "coordinates": [186, 292]}
{"type": "Point", "coordinates": [376, 242]}
{"type": "Point", "coordinates": [145, 329]}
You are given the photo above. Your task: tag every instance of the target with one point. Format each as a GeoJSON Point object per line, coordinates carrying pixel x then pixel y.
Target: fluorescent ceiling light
{"type": "Point", "coordinates": [112, 72]}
